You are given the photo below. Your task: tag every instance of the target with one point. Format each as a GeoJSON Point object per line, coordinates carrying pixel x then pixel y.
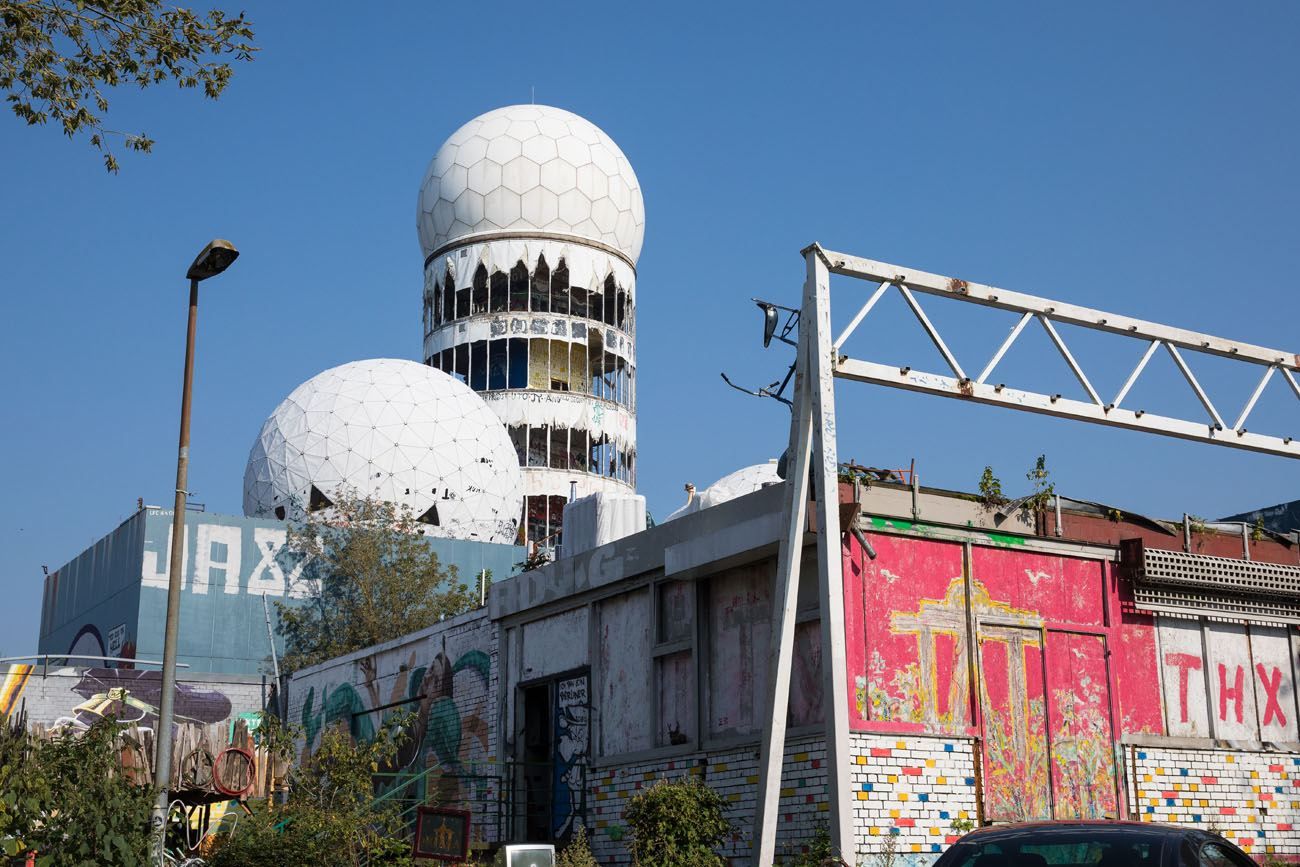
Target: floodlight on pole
{"type": "Point", "coordinates": [211, 261]}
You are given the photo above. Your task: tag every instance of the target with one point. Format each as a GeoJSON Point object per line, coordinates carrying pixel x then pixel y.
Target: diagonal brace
{"type": "Point", "coordinates": [1196, 386]}
{"type": "Point", "coordinates": [1069, 359]}
{"type": "Point", "coordinates": [1006, 344]}
{"type": "Point", "coordinates": [932, 331]}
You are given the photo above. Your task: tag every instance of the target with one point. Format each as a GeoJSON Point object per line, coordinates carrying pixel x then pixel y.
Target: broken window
{"type": "Point", "coordinates": [448, 297]}
{"type": "Point", "coordinates": [537, 448]}
{"type": "Point", "coordinates": [611, 300]}
{"type": "Point", "coordinates": [539, 369]}
{"type": "Point", "coordinates": [500, 291]}
{"type": "Point", "coordinates": [461, 369]}
{"type": "Point", "coordinates": [519, 439]}
{"type": "Point", "coordinates": [535, 517]}
{"type": "Point", "coordinates": [596, 451]}
{"type": "Point", "coordinates": [578, 449]}
{"type": "Point", "coordinates": [480, 302]}
{"type": "Point", "coordinates": [559, 454]}
{"type": "Point", "coordinates": [596, 353]}
{"type": "Point", "coordinates": [462, 302]}
{"type": "Point", "coordinates": [430, 516]}
{"type": "Point", "coordinates": [317, 500]}
{"type": "Point", "coordinates": [555, 523]}
{"type": "Point", "coordinates": [541, 287]}
{"type": "Point", "coordinates": [560, 289]}
{"type": "Point", "coordinates": [559, 365]}
{"type": "Point", "coordinates": [631, 468]}
{"type": "Point", "coordinates": [595, 302]}
{"type": "Point", "coordinates": [432, 308]}
{"type": "Point", "coordinates": [496, 364]}
{"type": "Point", "coordinates": [519, 285]}
{"type": "Point", "coordinates": [621, 310]}
{"type": "Point", "coordinates": [518, 374]}
{"type": "Point", "coordinates": [577, 297]}
{"type": "Point", "coordinates": [478, 365]}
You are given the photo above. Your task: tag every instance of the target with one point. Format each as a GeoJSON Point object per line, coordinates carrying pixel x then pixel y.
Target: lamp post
{"type": "Point", "coordinates": [214, 258]}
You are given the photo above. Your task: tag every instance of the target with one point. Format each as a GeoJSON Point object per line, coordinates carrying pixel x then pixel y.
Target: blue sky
{"type": "Point", "coordinates": [1134, 157]}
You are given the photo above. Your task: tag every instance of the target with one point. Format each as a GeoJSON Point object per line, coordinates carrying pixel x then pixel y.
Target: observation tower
{"type": "Point", "coordinates": [531, 221]}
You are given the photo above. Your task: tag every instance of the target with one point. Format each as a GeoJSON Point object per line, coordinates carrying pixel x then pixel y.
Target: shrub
{"type": "Point", "coordinates": [578, 852]}
{"type": "Point", "coordinates": [676, 824]}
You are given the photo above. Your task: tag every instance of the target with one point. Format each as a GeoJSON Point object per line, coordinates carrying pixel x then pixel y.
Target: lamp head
{"type": "Point", "coordinates": [769, 321]}
{"type": "Point", "coordinates": [215, 258]}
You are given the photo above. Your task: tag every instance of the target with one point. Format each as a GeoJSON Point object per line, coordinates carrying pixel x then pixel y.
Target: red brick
{"type": "Point", "coordinates": [905, 823]}
{"type": "Point", "coordinates": [912, 772]}
{"type": "Point", "coordinates": [879, 753]}
{"type": "Point", "coordinates": [1209, 781]}
{"type": "Point", "coordinates": [1228, 811]}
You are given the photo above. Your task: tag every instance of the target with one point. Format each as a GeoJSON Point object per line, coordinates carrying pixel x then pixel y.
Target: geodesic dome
{"type": "Point", "coordinates": [393, 429]}
{"type": "Point", "coordinates": [743, 481]}
{"type": "Point", "coordinates": [527, 168]}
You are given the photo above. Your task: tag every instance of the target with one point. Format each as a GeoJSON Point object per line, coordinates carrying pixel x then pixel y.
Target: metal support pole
{"type": "Point", "coordinates": [163, 736]}
{"type": "Point", "coordinates": [820, 383]}
{"type": "Point", "coordinates": [283, 709]}
{"type": "Point", "coordinates": [786, 597]}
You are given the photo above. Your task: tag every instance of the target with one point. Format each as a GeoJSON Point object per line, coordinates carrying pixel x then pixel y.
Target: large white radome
{"type": "Point", "coordinates": [397, 430]}
{"type": "Point", "coordinates": [529, 168]}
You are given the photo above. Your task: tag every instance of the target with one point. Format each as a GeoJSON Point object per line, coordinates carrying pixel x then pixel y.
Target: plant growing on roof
{"type": "Point", "coordinates": [990, 490]}
{"type": "Point", "coordinates": [1257, 531]}
{"type": "Point", "coordinates": [1042, 490]}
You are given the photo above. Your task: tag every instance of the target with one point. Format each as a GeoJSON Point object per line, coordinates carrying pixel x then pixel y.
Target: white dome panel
{"type": "Point", "coordinates": [510, 151]}
{"type": "Point", "coordinates": [393, 429]}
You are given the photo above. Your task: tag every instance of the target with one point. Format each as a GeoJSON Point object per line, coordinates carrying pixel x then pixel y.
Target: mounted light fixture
{"type": "Point", "coordinates": [212, 260]}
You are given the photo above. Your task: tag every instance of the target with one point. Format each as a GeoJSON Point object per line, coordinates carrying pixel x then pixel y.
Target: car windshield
{"type": "Point", "coordinates": [1051, 847]}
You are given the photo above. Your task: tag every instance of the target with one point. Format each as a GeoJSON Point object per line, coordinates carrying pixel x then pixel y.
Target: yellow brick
{"type": "Point", "coordinates": [753, 781]}
{"type": "Point", "coordinates": [941, 781]}
{"type": "Point", "coordinates": [823, 807]}
{"type": "Point", "coordinates": [1155, 802]}
{"type": "Point", "coordinates": [916, 847]}
{"type": "Point", "coordinates": [734, 796]}
{"type": "Point", "coordinates": [935, 832]}
{"type": "Point", "coordinates": [963, 814]}
{"type": "Point", "coordinates": [801, 757]}
{"type": "Point", "coordinates": [1229, 759]}
{"type": "Point", "coordinates": [720, 766]}
{"type": "Point", "coordinates": [1196, 787]}
{"type": "Point", "coordinates": [929, 763]}
{"type": "Point", "coordinates": [1254, 775]}
{"type": "Point", "coordinates": [900, 745]}
{"type": "Point", "coordinates": [893, 814]}
{"type": "Point", "coordinates": [789, 793]}
{"type": "Point", "coordinates": [862, 796]}
{"type": "Point", "coordinates": [1202, 803]}
{"type": "Point", "coordinates": [1146, 778]}
{"type": "Point", "coordinates": [648, 775]}
{"type": "Point", "coordinates": [875, 832]}
{"type": "Point", "coordinates": [862, 760]}
{"type": "Point", "coordinates": [893, 778]}
{"type": "Point", "coordinates": [903, 796]}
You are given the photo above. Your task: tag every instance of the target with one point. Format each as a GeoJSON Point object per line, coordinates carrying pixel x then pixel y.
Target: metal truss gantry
{"type": "Point", "coordinates": [813, 460]}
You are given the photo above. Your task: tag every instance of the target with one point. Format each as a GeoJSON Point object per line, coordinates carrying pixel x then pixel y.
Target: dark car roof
{"type": "Point", "coordinates": [993, 831]}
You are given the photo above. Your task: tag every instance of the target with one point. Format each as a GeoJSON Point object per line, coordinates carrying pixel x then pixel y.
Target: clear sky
{"type": "Point", "coordinates": [1137, 157]}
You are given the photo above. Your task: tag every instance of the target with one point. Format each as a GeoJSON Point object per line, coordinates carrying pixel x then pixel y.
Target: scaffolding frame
{"type": "Point", "coordinates": [812, 461]}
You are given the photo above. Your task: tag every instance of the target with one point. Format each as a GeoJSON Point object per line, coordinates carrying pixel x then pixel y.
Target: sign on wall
{"type": "Point", "coordinates": [441, 834]}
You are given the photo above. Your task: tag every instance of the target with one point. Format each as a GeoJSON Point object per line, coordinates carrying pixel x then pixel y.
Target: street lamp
{"type": "Point", "coordinates": [211, 261]}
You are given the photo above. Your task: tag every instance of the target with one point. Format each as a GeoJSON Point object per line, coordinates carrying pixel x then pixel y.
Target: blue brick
{"type": "Point", "coordinates": [1182, 771]}
{"type": "Point", "coordinates": [924, 797]}
{"type": "Point", "coordinates": [1196, 817]}
{"type": "Point", "coordinates": [1259, 833]}
{"type": "Point", "coordinates": [970, 781]}
{"type": "Point", "coordinates": [1142, 756]}
{"type": "Point", "coordinates": [867, 787]}
{"type": "Point", "coordinates": [1277, 790]}
{"type": "Point", "coordinates": [1151, 809]}
{"type": "Point", "coordinates": [934, 847]}
{"type": "Point", "coordinates": [944, 814]}
{"type": "Point", "coordinates": [895, 831]}
{"type": "Point", "coordinates": [947, 748]}
{"type": "Point", "coordinates": [1169, 802]}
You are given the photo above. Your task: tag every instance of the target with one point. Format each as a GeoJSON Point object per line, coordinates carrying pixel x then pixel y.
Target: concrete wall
{"type": "Point", "coordinates": [79, 696]}
{"type": "Point", "coordinates": [113, 596]}
{"type": "Point", "coordinates": [447, 676]}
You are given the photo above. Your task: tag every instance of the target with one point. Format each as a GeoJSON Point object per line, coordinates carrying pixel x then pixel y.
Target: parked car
{"type": "Point", "coordinates": [1092, 844]}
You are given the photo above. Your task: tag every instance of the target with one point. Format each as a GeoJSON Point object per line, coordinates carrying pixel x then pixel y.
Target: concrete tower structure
{"type": "Point", "coordinates": [531, 221]}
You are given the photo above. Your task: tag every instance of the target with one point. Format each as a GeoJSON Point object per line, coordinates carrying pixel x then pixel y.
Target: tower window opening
{"type": "Point", "coordinates": [280, 512]}
{"type": "Point", "coordinates": [519, 284]}
{"type": "Point", "coordinates": [478, 365]}
{"type": "Point", "coordinates": [595, 303]}
{"type": "Point", "coordinates": [316, 500]}
{"type": "Point", "coordinates": [578, 380]}
{"type": "Point", "coordinates": [437, 304]}
{"type": "Point", "coordinates": [519, 439]}
{"type": "Point", "coordinates": [541, 287]}
{"type": "Point", "coordinates": [496, 364]}
{"type": "Point", "coordinates": [461, 368]}
{"type": "Point", "coordinates": [611, 300]}
{"type": "Point", "coordinates": [499, 292]}
{"type": "Point", "coordinates": [462, 303]}
{"type": "Point", "coordinates": [448, 297]}
{"type": "Point", "coordinates": [560, 290]}
{"type": "Point", "coordinates": [559, 455]}
{"type": "Point", "coordinates": [535, 518]}
{"type": "Point", "coordinates": [578, 449]}
{"type": "Point", "coordinates": [595, 362]}
{"type": "Point", "coordinates": [539, 369]}
{"type": "Point", "coordinates": [517, 376]}
{"type": "Point", "coordinates": [537, 446]}
{"type": "Point", "coordinates": [621, 308]}
{"type": "Point", "coordinates": [559, 365]}
{"type": "Point", "coordinates": [555, 521]}
{"type": "Point", "coordinates": [480, 303]}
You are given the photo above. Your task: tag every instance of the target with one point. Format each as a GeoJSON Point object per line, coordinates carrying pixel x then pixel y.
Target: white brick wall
{"type": "Point", "coordinates": [1252, 798]}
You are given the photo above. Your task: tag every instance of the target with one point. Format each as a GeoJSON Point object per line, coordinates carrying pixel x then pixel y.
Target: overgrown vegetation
{"type": "Point", "coordinates": [374, 578]}
{"type": "Point", "coordinates": [888, 853]}
{"type": "Point", "coordinates": [818, 854]}
{"type": "Point", "coordinates": [68, 799]}
{"type": "Point", "coordinates": [578, 852]}
{"type": "Point", "coordinates": [990, 490]}
{"type": "Point", "coordinates": [1041, 490]}
{"type": "Point", "coordinates": [676, 824]}
{"type": "Point", "coordinates": [328, 819]}
{"type": "Point", "coordinates": [58, 58]}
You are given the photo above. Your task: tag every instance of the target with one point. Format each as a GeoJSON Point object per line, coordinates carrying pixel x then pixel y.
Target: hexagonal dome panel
{"type": "Point", "coordinates": [507, 152]}
{"type": "Point", "coordinates": [393, 429]}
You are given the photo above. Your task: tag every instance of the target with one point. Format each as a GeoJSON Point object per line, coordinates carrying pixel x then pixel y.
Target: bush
{"type": "Point", "coordinates": [578, 852]}
{"type": "Point", "coordinates": [677, 824]}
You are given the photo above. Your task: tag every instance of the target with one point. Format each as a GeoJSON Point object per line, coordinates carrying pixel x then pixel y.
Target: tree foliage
{"type": "Point", "coordinates": [58, 58]}
{"type": "Point", "coordinates": [330, 818]}
{"type": "Point", "coordinates": [676, 824]}
{"type": "Point", "coordinates": [67, 799]}
{"type": "Point", "coordinates": [374, 578]}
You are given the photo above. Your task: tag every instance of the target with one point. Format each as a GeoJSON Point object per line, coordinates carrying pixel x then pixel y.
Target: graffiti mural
{"type": "Point", "coordinates": [132, 696]}
{"type": "Point", "coordinates": [1037, 687]}
{"type": "Point", "coordinates": [572, 744]}
{"type": "Point", "coordinates": [443, 683]}
{"type": "Point", "coordinates": [11, 689]}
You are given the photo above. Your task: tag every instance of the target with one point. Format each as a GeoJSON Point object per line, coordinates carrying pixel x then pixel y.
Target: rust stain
{"type": "Point", "coordinates": [966, 387]}
{"type": "Point", "coordinates": [959, 286]}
